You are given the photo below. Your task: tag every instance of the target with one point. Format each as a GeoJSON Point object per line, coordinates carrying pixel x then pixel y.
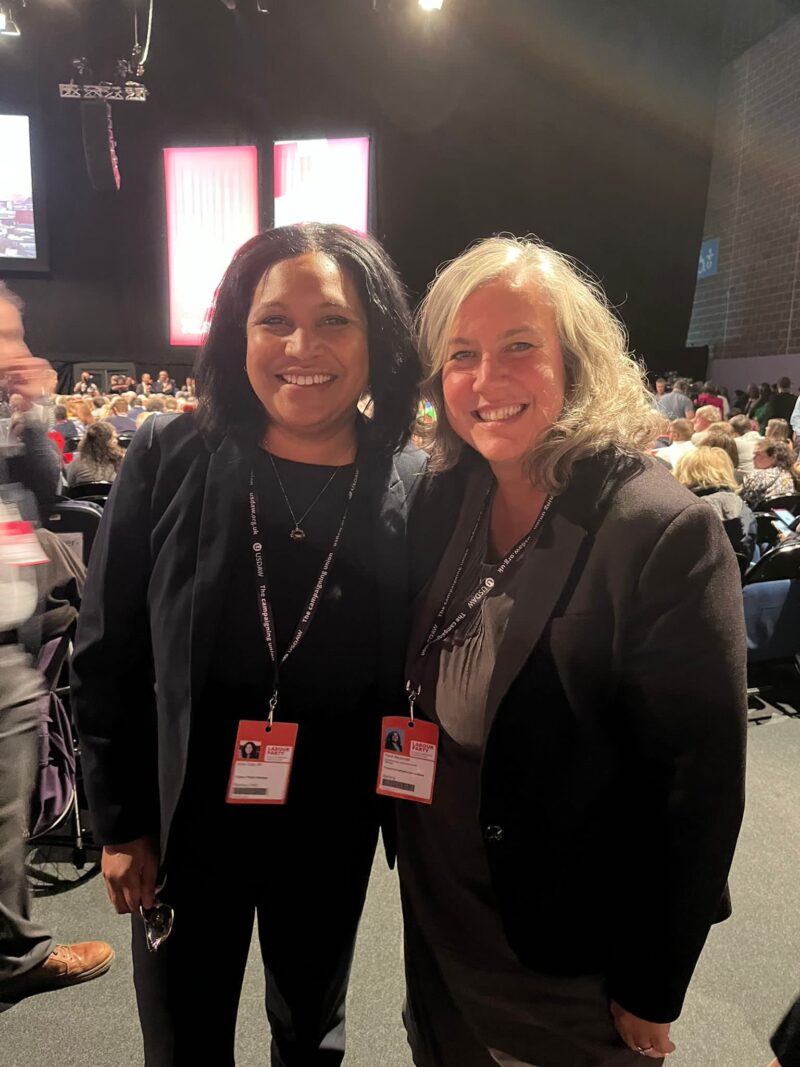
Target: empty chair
{"type": "Point", "coordinates": [76, 522]}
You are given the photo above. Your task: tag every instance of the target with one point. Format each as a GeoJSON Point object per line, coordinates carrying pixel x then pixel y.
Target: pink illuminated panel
{"type": "Point", "coordinates": [323, 181]}
{"type": "Point", "coordinates": [212, 209]}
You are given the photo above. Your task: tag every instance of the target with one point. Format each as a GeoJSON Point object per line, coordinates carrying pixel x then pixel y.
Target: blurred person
{"type": "Point", "coordinates": [30, 961]}
{"type": "Point", "coordinates": [64, 425]}
{"type": "Point", "coordinates": [153, 405]}
{"type": "Point", "coordinates": [745, 438]}
{"type": "Point", "coordinates": [709, 473]}
{"type": "Point", "coordinates": [81, 413]}
{"type": "Point", "coordinates": [721, 436]}
{"type": "Point", "coordinates": [772, 472]}
{"type": "Point", "coordinates": [779, 430]}
{"type": "Point", "coordinates": [753, 394]}
{"type": "Point", "coordinates": [164, 385]}
{"type": "Point", "coordinates": [540, 509]}
{"type": "Point", "coordinates": [711, 396]}
{"type": "Point", "coordinates": [277, 466]}
{"type": "Point", "coordinates": [98, 458]}
{"type": "Point", "coordinates": [680, 438]}
{"type": "Point", "coordinates": [760, 409]}
{"type": "Point", "coordinates": [84, 383]}
{"type": "Point", "coordinates": [145, 386]}
{"type": "Point", "coordinates": [189, 386]}
{"type": "Point", "coordinates": [170, 403]}
{"type": "Point", "coordinates": [661, 387]}
{"type": "Point", "coordinates": [705, 416]}
{"type": "Point", "coordinates": [119, 417]}
{"type": "Point", "coordinates": [676, 405]}
{"type": "Point", "coordinates": [782, 402]}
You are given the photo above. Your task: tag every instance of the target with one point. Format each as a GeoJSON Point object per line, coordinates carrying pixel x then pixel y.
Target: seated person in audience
{"type": "Point", "coordinates": [64, 425]}
{"type": "Point", "coordinates": [720, 436]}
{"type": "Point", "coordinates": [99, 456]}
{"type": "Point", "coordinates": [745, 438]}
{"type": "Point", "coordinates": [118, 416]}
{"type": "Point", "coordinates": [164, 384]}
{"type": "Point", "coordinates": [680, 438]}
{"type": "Point", "coordinates": [80, 412]}
{"type": "Point", "coordinates": [778, 429]}
{"type": "Point", "coordinates": [154, 405]}
{"type": "Point", "coordinates": [772, 475]}
{"type": "Point", "coordinates": [704, 417]}
{"type": "Point", "coordinates": [170, 403]}
{"type": "Point", "coordinates": [709, 473]}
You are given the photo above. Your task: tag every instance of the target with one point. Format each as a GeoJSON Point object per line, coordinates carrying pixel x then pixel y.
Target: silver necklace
{"type": "Point", "coordinates": [297, 533]}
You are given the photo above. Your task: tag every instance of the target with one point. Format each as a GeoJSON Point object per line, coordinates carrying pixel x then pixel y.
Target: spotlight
{"type": "Point", "coordinates": [8, 27]}
{"type": "Point", "coordinates": [261, 7]}
{"type": "Point", "coordinates": [431, 5]}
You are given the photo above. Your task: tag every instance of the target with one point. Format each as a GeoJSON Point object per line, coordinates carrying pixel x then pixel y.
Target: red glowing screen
{"type": "Point", "coordinates": [212, 209]}
{"type": "Point", "coordinates": [323, 181]}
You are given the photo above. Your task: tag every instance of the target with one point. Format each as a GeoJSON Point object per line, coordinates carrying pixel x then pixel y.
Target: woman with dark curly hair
{"type": "Point", "coordinates": [251, 573]}
{"type": "Point", "coordinates": [99, 456]}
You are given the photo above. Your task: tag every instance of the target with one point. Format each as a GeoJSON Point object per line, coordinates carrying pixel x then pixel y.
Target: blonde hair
{"type": "Point", "coordinates": [706, 468]}
{"type": "Point", "coordinates": [709, 412]}
{"type": "Point", "coordinates": [606, 399]}
{"type": "Point", "coordinates": [779, 429]}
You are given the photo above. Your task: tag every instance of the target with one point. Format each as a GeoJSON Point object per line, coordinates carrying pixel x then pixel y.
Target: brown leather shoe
{"type": "Point", "coordinates": [66, 965]}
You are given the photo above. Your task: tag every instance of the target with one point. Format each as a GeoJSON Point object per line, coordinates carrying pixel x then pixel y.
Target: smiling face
{"type": "Point", "coordinates": [307, 356]}
{"type": "Point", "coordinates": [503, 377]}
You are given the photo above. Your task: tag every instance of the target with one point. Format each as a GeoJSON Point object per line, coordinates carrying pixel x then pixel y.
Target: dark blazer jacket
{"type": "Point", "coordinates": [147, 622]}
{"type": "Point", "coordinates": [613, 775]}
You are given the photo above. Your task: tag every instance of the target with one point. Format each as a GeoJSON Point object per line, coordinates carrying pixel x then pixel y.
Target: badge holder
{"type": "Point", "coordinates": [262, 760]}
{"type": "Point", "coordinates": [409, 749]}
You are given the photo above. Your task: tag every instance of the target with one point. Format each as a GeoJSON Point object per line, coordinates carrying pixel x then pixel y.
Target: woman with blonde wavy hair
{"type": "Point", "coordinates": [560, 885]}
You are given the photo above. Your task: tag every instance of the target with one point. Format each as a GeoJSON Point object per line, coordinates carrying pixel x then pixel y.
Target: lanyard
{"type": "Point", "coordinates": [485, 586]}
{"type": "Point", "coordinates": [265, 608]}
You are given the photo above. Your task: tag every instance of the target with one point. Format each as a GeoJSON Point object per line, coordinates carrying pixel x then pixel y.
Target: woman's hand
{"type": "Point", "coordinates": [130, 871]}
{"type": "Point", "coordinates": [649, 1039]}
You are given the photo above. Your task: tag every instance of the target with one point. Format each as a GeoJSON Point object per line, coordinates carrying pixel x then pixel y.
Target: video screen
{"type": "Point", "coordinates": [323, 180]}
{"type": "Point", "coordinates": [17, 223]}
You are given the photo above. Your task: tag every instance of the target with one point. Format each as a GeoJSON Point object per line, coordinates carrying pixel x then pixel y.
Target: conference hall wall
{"type": "Point", "coordinates": [589, 123]}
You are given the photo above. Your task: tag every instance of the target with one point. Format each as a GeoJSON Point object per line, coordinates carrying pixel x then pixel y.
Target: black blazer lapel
{"type": "Point", "coordinates": [544, 575]}
{"type": "Point", "coordinates": [391, 559]}
{"type": "Point", "coordinates": [224, 507]}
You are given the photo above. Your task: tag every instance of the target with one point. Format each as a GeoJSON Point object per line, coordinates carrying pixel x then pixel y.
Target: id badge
{"type": "Point", "coordinates": [262, 762]}
{"type": "Point", "coordinates": [19, 545]}
{"type": "Point", "coordinates": [409, 748]}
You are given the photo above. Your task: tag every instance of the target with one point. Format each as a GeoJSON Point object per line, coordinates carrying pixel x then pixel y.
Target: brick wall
{"type": "Point", "coordinates": [751, 306]}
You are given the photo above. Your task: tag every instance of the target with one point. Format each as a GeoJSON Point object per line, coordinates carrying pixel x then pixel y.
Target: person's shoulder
{"type": "Point", "coordinates": [169, 437]}
{"type": "Point", "coordinates": [410, 462]}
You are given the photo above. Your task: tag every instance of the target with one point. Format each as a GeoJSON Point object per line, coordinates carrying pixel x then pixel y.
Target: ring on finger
{"type": "Point", "coordinates": [643, 1051]}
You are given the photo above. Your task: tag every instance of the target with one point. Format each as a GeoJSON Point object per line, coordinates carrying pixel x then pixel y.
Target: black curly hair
{"type": "Point", "coordinates": [227, 402]}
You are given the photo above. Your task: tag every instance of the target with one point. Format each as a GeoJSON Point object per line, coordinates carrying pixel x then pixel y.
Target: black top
{"type": "Point", "coordinates": [329, 683]}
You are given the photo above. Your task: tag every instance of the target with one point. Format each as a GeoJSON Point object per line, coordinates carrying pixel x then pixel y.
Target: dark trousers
{"type": "Point", "coordinates": [303, 876]}
{"type": "Point", "coordinates": [23, 943]}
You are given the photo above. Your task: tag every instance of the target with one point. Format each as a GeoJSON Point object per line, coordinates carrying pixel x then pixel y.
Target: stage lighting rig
{"type": "Point", "coordinates": [128, 86]}
{"type": "Point", "coordinates": [431, 5]}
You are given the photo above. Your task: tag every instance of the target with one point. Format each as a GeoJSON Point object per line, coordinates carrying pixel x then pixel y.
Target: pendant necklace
{"type": "Point", "coordinates": [297, 533]}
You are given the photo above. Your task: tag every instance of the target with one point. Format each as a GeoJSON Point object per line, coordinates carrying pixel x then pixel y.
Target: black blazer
{"type": "Point", "coordinates": [613, 776]}
{"type": "Point", "coordinates": [147, 622]}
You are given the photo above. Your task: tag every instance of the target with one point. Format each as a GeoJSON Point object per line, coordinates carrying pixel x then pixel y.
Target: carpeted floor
{"type": "Point", "coordinates": [748, 974]}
